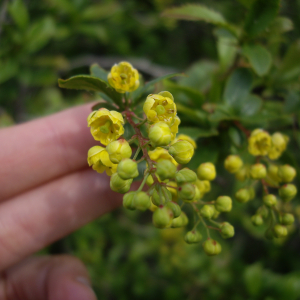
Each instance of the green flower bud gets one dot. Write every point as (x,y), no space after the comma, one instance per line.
(118,150)
(233,163)
(182,151)
(128,200)
(258,171)
(287,219)
(186,191)
(162,217)
(263,211)
(206,171)
(227,230)
(198,195)
(185,176)
(211,247)
(173,191)
(223,204)
(286,173)
(257,220)
(175,208)
(142,201)
(242,195)
(180,221)
(203,186)
(270,200)
(165,169)
(207,211)
(280,231)
(193,237)
(273,173)
(242,174)
(287,192)
(160,134)
(127,169)
(216,214)
(117,184)
(160,200)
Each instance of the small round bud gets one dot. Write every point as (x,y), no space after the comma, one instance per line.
(182,151)
(287,192)
(160,134)
(287,219)
(273,173)
(193,237)
(280,231)
(149,180)
(185,176)
(211,247)
(175,208)
(258,171)
(270,200)
(242,174)
(203,186)
(263,211)
(198,195)
(127,169)
(223,204)
(128,200)
(162,217)
(181,221)
(186,191)
(173,191)
(117,184)
(257,220)
(242,195)
(227,230)
(233,163)
(142,201)
(118,150)
(216,214)
(207,211)
(160,198)
(165,169)
(286,173)
(206,171)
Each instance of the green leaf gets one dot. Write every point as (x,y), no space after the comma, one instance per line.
(19,13)
(282,24)
(196,116)
(237,87)
(9,69)
(85,82)
(246,3)
(292,102)
(137,96)
(94,31)
(250,105)
(259,58)
(260,16)
(253,279)
(99,11)
(104,104)
(195,132)
(97,71)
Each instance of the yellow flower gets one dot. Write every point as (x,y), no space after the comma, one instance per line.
(174,128)
(185,138)
(279,143)
(160,108)
(98,158)
(259,142)
(106,126)
(160,153)
(123,77)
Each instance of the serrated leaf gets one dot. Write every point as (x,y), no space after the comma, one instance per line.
(259,57)
(19,13)
(104,104)
(260,16)
(195,132)
(86,82)
(97,71)
(237,87)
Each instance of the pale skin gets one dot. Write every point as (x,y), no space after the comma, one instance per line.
(47,191)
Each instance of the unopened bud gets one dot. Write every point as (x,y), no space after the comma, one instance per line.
(287,219)
(127,169)
(118,150)
(286,173)
(180,221)
(207,211)
(287,192)
(185,176)
(263,211)
(193,237)
(162,217)
(227,230)
(273,173)
(258,171)
(211,247)
(203,186)
(128,200)
(270,200)
(242,174)
(223,204)
(165,169)
(280,231)
(160,198)
(257,220)
(198,195)
(175,208)
(142,201)
(186,191)
(160,134)
(117,184)
(233,163)
(182,151)
(172,187)
(206,171)
(242,195)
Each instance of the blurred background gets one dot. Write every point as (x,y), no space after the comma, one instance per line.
(43,40)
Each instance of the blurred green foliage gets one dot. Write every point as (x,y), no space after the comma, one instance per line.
(243,66)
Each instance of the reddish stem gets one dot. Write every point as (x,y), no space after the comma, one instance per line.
(242,128)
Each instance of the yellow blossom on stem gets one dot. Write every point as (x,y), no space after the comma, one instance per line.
(106,126)
(279,143)
(123,77)
(185,137)
(160,153)
(174,128)
(259,142)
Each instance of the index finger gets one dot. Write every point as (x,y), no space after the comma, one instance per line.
(42,150)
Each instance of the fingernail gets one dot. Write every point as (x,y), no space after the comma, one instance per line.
(79,289)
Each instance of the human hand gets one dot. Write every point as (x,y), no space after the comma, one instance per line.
(47,191)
